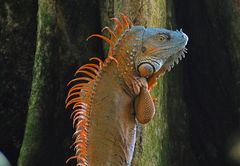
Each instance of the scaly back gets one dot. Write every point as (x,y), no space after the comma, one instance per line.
(81,94)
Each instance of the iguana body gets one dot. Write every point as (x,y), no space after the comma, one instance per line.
(115,94)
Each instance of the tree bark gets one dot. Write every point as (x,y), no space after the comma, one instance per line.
(60,50)
(37,139)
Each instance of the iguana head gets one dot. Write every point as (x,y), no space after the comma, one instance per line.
(144,52)
(160,49)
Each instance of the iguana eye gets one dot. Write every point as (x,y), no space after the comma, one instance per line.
(162,37)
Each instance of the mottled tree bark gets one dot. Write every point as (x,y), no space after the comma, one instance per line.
(165,140)
(62,30)
(38,135)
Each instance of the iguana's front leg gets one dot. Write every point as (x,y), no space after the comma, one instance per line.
(143,104)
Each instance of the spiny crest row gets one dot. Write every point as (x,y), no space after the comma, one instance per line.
(81,94)
(119,30)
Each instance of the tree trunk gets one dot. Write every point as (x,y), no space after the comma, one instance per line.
(165,140)
(60,50)
(38,137)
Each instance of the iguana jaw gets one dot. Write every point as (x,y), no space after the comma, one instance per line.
(152,80)
(160,48)
(159,55)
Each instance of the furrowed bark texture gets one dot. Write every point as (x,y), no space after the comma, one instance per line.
(42,102)
(62,30)
(165,140)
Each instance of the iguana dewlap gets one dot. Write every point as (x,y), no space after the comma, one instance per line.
(113,95)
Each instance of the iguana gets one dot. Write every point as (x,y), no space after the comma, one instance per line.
(110,96)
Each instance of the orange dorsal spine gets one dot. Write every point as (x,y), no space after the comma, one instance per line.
(82,92)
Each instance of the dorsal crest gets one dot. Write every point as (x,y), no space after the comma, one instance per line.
(81,94)
(116,34)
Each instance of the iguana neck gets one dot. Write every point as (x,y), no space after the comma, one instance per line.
(112,123)
(125,51)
